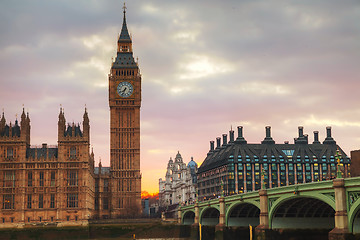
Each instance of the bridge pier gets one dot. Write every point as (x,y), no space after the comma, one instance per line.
(262,231)
(179,214)
(219,229)
(194,232)
(341,230)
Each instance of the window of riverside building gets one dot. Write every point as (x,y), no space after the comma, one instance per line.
(105,203)
(97,185)
(29,179)
(29,200)
(231,167)
(324,171)
(41,179)
(72,200)
(291,173)
(41,200)
(248,167)
(10,152)
(257,180)
(52,200)
(9,177)
(8,201)
(52,179)
(333,170)
(72,178)
(282,174)
(73,152)
(274,176)
(97,204)
(106,185)
(299,173)
(307,172)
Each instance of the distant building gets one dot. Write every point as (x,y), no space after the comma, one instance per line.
(236,166)
(355,163)
(179,185)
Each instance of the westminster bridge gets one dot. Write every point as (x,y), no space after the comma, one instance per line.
(333,204)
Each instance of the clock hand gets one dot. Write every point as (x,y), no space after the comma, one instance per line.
(123,91)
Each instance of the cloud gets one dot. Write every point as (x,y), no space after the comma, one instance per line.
(206,66)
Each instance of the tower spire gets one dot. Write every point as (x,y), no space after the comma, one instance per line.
(124,34)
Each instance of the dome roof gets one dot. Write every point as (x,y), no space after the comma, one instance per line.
(192,163)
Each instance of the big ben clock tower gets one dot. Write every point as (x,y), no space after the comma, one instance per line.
(125,102)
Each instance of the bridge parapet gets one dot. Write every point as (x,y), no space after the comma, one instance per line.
(341,195)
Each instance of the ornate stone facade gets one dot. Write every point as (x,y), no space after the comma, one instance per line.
(179,185)
(59,185)
(47,184)
(125,102)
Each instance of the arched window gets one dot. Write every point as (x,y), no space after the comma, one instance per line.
(10,152)
(73,152)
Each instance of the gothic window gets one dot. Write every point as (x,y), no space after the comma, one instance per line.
(73,152)
(9,179)
(52,179)
(52,200)
(41,200)
(97,185)
(72,200)
(106,185)
(41,179)
(29,200)
(96,204)
(29,179)
(8,201)
(105,203)
(72,178)
(10,152)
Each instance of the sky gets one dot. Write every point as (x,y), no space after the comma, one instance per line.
(207,66)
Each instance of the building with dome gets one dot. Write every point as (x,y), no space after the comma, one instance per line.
(179,185)
(236,166)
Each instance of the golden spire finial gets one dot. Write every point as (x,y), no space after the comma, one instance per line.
(124,7)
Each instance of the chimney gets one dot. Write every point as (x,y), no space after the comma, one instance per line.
(231,133)
(240,138)
(302,139)
(218,142)
(268,138)
(240,132)
(224,139)
(301,131)
(286,142)
(44,145)
(316,137)
(329,139)
(211,145)
(268,131)
(328,132)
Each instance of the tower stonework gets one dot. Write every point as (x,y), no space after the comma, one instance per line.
(124,103)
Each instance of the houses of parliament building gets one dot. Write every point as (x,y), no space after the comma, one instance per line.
(59,185)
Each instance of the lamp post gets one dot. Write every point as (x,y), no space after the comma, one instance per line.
(262,178)
(337,157)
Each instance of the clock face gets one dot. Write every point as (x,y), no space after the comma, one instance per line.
(125,89)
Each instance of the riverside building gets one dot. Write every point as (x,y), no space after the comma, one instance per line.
(236,166)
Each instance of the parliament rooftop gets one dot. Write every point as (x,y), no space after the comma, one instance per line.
(236,166)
